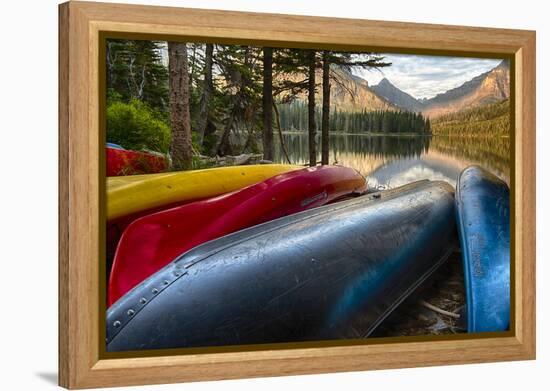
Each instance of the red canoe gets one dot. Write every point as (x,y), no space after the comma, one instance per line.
(116,227)
(126,162)
(153,241)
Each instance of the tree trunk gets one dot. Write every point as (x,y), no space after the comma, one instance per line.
(311,109)
(193,61)
(326,109)
(181,148)
(267,103)
(206,96)
(110,65)
(224,147)
(281,138)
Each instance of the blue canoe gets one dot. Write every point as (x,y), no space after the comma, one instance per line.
(332,272)
(115,146)
(483,216)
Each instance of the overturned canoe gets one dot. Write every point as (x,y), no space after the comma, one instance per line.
(113,145)
(153,241)
(483,217)
(122,161)
(327,273)
(136,193)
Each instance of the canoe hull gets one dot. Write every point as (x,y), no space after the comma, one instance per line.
(115,146)
(153,241)
(125,162)
(328,273)
(135,196)
(137,193)
(483,217)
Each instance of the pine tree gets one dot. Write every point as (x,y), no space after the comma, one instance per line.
(135,71)
(180,118)
(206,95)
(311,61)
(240,67)
(267,104)
(326,109)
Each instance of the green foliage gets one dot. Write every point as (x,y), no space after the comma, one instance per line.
(237,98)
(294,62)
(294,117)
(136,126)
(135,71)
(199,164)
(113,96)
(489,121)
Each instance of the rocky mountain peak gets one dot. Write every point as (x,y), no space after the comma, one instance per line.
(396,96)
(489,87)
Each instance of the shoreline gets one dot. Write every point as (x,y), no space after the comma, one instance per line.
(369,134)
(360,134)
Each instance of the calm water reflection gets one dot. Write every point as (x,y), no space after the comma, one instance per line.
(392,161)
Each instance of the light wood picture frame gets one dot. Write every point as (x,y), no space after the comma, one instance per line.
(83,27)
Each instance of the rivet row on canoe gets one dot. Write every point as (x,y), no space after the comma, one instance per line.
(131,312)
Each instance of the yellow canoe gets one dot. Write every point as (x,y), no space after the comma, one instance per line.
(131,194)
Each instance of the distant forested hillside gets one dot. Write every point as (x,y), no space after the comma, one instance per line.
(293,116)
(490,120)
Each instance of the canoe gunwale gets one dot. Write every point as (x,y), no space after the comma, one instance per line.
(128,195)
(373,197)
(411,289)
(466,261)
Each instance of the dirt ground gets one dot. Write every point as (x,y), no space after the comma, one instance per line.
(445,290)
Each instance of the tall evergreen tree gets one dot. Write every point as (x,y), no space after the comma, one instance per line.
(344,60)
(207,91)
(240,66)
(311,61)
(181,148)
(135,71)
(267,104)
(326,109)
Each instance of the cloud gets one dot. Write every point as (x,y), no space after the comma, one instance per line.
(427,76)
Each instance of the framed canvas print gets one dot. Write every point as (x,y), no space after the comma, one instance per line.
(249,195)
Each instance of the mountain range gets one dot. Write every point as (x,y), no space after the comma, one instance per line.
(351,93)
(489,87)
(348,92)
(399,98)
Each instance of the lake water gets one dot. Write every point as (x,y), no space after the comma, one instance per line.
(391,161)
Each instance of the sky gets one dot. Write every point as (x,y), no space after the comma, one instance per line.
(420,76)
(427,76)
